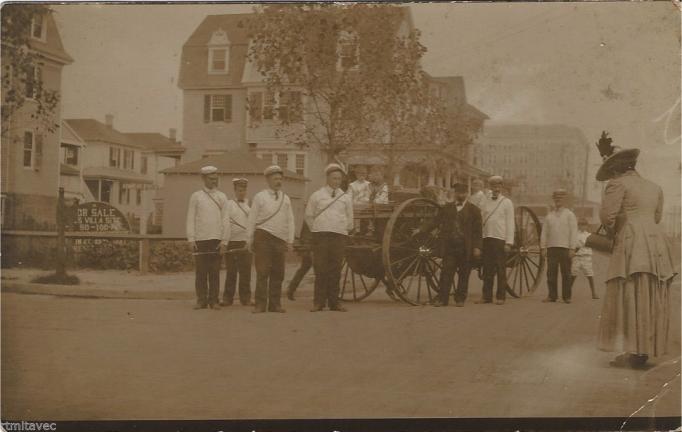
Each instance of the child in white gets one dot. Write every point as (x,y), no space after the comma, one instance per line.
(582,261)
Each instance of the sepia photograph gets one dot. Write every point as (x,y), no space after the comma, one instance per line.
(340,216)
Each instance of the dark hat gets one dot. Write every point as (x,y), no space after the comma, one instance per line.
(460,187)
(612,156)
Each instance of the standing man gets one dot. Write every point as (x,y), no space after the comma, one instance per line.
(498,238)
(238,264)
(557,242)
(359,189)
(469,217)
(329,214)
(269,234)
(478,195)
(208,229)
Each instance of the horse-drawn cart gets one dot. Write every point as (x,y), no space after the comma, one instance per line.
(385,250)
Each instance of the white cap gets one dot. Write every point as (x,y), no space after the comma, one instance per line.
(209,169)
(273,169)
(240,180)
(334,167)
(495,179)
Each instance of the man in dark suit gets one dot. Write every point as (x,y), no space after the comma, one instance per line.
(459,224)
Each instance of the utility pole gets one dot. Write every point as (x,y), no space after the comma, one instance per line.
(61,243)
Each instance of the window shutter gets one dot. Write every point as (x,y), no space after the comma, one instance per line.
(207,108)
(227,116)
(38,157)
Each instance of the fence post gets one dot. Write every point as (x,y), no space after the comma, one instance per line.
(144,255)
(61,244)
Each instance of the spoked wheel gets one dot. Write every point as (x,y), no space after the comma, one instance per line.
(355,287)
(525,264)
(412,265)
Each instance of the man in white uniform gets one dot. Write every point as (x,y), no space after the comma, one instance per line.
(208,229)
(238,263)
(329,214)
(557,243)
(269,233)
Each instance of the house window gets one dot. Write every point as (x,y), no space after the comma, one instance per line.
(138,197)
(269,103)
(71,155)
(143,162)
(217,60)
(128,159)
(348,51)
(290,108)
(33,77)
(106,187)
(28,149)
(265,105)
(217,108)
(39,27)
(114,157)
(283,160)
(300,164)
(267,157)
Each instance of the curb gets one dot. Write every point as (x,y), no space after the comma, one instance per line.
(85,292)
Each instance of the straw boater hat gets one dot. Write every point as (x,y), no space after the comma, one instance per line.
(273,169)
(612,156)
(332,167)
(208,169)
(239,180)
(495,179)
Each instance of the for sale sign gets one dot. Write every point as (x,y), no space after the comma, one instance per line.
(99,217)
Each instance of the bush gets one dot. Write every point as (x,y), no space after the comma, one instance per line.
(169,256)
(108,254)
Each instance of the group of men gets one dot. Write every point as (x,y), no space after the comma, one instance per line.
(474,230)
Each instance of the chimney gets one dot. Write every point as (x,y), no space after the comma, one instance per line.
(172,134)
(109,120)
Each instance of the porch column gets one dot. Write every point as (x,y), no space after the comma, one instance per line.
(432,176)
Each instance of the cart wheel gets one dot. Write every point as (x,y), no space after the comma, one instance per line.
(354,287)
(412,263)
(525,264)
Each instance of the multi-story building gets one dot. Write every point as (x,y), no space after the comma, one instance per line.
(71,166)
(123,169)
(30,152)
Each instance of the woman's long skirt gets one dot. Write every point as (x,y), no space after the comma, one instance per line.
(635,315)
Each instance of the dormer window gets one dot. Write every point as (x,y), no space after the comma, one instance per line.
(39,27)
(348,51)
(218,52)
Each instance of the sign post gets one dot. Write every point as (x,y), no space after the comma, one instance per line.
(61,243)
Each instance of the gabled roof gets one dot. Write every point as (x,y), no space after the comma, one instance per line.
(69,136)
(156,142)
(194,58)
(230,163)
(94,130)
(52,47)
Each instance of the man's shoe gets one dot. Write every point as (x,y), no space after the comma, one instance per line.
(459,304)
(215,306)
(317,309)
(278,309)
(199,306)
(438,303)
(246,303)
(595,297)
(499,302)
(338,308)
(225,303)
(258,309)
(290,295)
(567,301)
(548,300)
(482,301)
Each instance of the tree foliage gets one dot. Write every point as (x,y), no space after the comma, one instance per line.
(22,82)
(360,77)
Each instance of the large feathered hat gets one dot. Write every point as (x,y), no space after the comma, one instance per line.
(612,155)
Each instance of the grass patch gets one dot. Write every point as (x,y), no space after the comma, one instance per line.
(59,280)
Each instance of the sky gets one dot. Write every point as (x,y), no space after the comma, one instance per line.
(595,65)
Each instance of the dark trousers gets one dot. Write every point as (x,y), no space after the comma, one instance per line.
(207,274)
(328,252)
(454,260)
(557,258)
(238,265)
(494,260)
(306,264)
(270,252)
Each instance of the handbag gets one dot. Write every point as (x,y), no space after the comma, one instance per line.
(601,240)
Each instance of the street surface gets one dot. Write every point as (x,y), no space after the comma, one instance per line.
(91,358)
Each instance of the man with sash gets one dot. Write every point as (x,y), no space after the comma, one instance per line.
(269,234)
(238,263)
(498,238)
(329,214)
(208,229)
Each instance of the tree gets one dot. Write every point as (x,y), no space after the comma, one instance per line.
(359,78)
(21,77)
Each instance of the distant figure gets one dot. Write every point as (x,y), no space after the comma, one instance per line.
(305,252)
(329,214)
(635,317)
(478,195)
(378,189)
(238,264)
(359,189)
(498,238)
(557,242)
(582,260)
(208,229)
(270,233)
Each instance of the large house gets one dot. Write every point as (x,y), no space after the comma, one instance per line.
(30,153)
(122,169)
(219,83)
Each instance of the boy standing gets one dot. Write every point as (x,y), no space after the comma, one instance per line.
(582,261)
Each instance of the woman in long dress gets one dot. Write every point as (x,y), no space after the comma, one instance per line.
(635,317)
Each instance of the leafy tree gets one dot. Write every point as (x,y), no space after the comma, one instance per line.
(359,77)
(22,83)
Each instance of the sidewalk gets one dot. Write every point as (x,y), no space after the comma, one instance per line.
(122,284)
